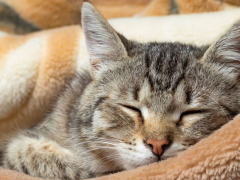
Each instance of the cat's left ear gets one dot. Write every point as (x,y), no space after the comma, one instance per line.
(103,43)
(226,50)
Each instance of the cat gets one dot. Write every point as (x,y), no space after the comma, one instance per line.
(140,103)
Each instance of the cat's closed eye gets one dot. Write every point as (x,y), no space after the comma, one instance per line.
(188,113)
(131,108)
(134,109)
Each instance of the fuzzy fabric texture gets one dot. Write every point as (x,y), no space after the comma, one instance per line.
(24,16)
(12,175)
(35,67)
(33,70)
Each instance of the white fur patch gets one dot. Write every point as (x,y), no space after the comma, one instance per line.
(144,91)
(173,150)
(139,155)
(145,112)
(98,123)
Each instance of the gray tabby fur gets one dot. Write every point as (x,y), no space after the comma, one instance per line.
(134,92)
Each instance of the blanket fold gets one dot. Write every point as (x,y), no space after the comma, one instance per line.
(35,67)
(33,70)
(25,16)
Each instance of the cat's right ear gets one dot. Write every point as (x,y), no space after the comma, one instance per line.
(103,43)
(225,51)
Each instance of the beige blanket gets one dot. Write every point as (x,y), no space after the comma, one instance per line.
(35,67)
(24,16)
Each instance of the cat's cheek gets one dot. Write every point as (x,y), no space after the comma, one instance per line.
(173,150)
(136,156)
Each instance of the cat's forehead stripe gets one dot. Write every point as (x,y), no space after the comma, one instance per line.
(188,96)
(135,93)
(145,90)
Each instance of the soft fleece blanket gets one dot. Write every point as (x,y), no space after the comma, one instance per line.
(24,16)
(35,67)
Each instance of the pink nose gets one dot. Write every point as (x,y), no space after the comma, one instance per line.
(157,145)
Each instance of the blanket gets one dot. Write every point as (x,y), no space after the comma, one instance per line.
(35,67)
(25,16)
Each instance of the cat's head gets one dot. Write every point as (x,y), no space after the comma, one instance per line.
(151,101)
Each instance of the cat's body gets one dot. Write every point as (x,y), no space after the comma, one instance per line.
(139,104)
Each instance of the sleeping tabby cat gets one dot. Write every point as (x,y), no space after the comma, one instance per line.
(140,103)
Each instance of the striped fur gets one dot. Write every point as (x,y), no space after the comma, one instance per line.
(137,91)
